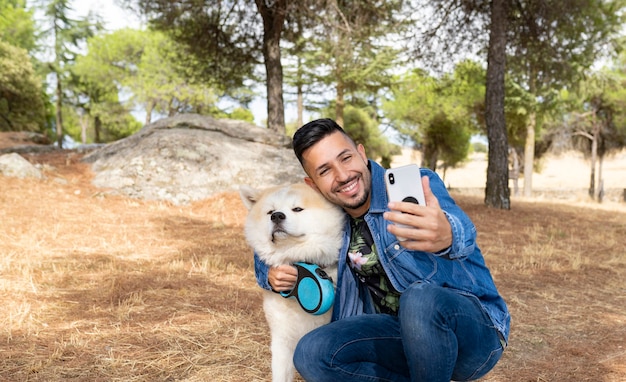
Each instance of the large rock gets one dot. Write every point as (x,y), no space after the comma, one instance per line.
(14,165)
(191,157)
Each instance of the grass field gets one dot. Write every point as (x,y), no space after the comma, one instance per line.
(96,287)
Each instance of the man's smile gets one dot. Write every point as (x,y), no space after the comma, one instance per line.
(349,187)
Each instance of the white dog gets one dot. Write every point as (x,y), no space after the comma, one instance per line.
(285,225)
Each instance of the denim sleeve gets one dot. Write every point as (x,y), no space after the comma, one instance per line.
(260,270)
(463,230)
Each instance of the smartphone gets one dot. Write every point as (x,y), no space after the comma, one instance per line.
(404,184)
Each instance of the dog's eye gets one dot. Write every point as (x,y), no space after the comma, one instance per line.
(270,212)
(298,209)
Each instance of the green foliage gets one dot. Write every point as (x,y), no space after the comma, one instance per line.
(479,147)
(446,140)
(161,83)
(340,47)
(96,81)
(439,114)
(291,128)
(595,111)
(17,24)
(21,103)
(602,115)
(364,129)
(116,123)
(242,114)
(616,97)
(218,41)
(66,36)
(145,65)
(553,43)
(112,57)
(412,104)
(518,105)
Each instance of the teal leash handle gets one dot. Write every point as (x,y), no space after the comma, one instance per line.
(314,289)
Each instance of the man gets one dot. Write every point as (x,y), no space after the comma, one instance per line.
(423,309)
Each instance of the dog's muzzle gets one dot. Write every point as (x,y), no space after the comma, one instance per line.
(278,217)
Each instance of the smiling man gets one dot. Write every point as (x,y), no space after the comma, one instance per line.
(423,309)
(338,170)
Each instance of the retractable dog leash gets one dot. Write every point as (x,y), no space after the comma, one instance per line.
(314,289)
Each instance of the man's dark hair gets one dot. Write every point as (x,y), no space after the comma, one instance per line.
(313,132)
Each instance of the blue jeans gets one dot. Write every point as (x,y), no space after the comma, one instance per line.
(439,335)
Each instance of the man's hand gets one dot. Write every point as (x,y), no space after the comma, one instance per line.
(430,230)
(282,278)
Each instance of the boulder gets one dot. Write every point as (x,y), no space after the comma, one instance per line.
(14,165)
(191,157)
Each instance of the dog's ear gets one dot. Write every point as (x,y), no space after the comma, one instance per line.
(249,195)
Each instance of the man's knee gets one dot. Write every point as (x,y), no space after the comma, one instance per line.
(300,355)
(421,296)
(310,350)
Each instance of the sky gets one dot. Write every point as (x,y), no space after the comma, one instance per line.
(114,16)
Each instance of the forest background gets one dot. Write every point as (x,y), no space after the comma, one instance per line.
(529,76)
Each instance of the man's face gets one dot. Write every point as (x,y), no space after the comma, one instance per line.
(338,170)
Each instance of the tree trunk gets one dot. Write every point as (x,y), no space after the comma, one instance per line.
(600,192)
(429,156)
(300,95)
(594,155)
(497,192)
(273,21)
(339,104)
(529,154)
(97,126)
(59,114)
(515,171)
(149,109)
(84,124)
(300,102)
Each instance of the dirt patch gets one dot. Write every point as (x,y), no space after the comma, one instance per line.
(100,287)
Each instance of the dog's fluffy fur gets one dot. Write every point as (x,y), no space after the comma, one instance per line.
(288,224)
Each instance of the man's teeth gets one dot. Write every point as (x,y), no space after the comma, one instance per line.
(349,188)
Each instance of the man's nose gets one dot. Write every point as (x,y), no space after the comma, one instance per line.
(342,174)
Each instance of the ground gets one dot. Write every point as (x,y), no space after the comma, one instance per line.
(97,287)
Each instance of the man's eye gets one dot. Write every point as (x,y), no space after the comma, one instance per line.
(297,209)
(270,212)
(323,172)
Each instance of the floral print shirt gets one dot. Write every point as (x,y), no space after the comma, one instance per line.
(363,261)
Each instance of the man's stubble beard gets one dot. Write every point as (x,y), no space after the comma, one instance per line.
(362,200)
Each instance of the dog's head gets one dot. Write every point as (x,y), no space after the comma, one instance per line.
(291,223)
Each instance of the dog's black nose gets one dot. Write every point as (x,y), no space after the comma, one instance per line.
(277,217)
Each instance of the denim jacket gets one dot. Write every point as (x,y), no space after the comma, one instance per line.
(460,267)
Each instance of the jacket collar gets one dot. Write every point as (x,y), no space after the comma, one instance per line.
(378,199)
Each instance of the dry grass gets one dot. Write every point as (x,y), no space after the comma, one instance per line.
(97,287)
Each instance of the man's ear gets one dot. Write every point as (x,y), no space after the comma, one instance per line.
(310,183)
(361,150)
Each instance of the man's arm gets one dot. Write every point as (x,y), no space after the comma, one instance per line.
(279,279)
(441,227)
